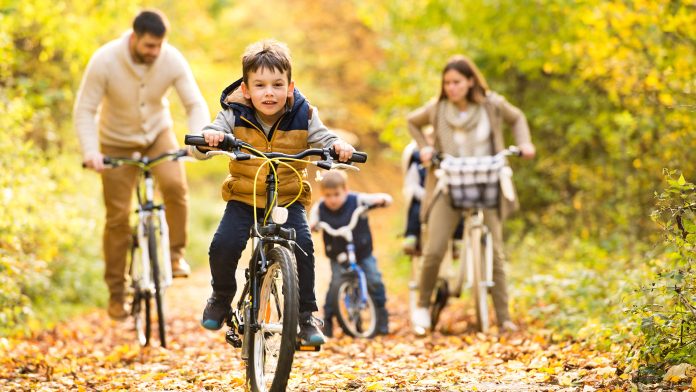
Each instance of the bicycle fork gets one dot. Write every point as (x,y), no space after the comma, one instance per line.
(475,221)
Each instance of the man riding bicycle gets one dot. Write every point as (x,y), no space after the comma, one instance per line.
(121,110)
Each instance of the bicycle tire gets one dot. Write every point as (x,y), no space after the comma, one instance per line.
(441,294)
(261,343)
(479,292)
(141,313)
(140,302)
(347,304)
(159,294)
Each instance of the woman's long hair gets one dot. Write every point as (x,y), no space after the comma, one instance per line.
(466,67)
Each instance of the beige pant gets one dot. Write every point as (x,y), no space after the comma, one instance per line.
(119,189)
(442,222)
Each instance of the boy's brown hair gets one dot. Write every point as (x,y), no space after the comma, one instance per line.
(333,179)
(269,54)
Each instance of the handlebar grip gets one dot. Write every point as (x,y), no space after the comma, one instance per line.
(195,140)
(357,157)
(227,144)
(106,160)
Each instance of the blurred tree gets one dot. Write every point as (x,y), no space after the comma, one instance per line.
(607,87)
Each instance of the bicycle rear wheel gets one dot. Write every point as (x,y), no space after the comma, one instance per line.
(479,289)
(272,346)
(357,319)
(159,290)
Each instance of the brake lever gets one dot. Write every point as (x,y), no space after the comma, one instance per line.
(344,166)
(237,156)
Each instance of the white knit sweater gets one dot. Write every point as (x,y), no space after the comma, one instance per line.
(123,104)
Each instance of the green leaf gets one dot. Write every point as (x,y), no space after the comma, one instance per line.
(681,180)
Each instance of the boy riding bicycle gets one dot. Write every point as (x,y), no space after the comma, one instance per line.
(265,110)
(336,209)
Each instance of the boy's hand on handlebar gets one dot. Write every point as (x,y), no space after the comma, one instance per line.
(343,150)
(213,138)
(426,155)
(94,161)
(528,150)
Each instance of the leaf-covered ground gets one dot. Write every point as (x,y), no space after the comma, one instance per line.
(93,353)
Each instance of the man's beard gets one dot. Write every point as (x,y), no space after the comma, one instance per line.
(140,58)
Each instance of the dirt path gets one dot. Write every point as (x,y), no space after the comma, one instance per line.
(93,353)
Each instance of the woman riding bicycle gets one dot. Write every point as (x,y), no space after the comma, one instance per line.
(467,119)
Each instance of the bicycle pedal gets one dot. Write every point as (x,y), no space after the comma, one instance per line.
(300,347)
(233,339)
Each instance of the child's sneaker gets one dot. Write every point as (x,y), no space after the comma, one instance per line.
(310,332)
(409,244)
(216,311)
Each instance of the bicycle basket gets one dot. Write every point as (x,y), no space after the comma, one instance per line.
(473,182)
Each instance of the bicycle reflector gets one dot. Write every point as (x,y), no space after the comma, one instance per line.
(279,215)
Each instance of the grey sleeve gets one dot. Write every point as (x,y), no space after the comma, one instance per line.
(223,122)
(314,216)
(319,136)
(370,199)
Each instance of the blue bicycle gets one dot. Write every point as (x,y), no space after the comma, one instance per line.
(355,311)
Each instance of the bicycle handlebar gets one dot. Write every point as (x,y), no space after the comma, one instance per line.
(347,230)
(510,151)
(143,161)
(231,144)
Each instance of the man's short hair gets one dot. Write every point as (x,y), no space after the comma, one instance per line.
(150,22)
(333,179)
(269,54)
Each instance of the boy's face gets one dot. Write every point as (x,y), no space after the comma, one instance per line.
(268,90)
(334,197)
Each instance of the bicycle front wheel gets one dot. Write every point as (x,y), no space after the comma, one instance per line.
(159,290)
(141,316)
(272,346)
(356,315)
(140,299)
(479,289)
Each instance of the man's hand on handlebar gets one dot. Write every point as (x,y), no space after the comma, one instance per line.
(528,150)
(343,150)
(94,161)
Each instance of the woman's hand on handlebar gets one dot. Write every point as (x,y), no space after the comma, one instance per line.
(343,150)
(527,150)
(94,161)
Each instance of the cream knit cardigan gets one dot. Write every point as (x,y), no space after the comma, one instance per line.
(122,105)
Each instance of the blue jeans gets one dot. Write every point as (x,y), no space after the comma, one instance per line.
(375,286)
(230,240)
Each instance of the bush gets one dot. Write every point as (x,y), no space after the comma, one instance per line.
(667,312)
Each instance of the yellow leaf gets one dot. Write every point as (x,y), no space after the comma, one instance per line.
(681,180)
(666,99)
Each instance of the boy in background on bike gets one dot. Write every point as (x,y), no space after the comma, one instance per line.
(264,109)
(414,190)
(336,209)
